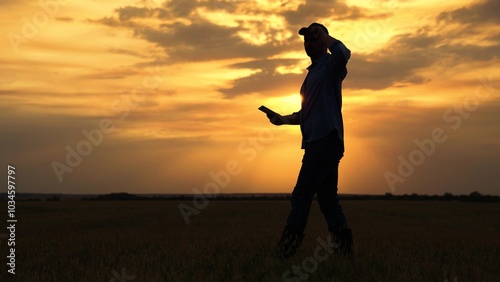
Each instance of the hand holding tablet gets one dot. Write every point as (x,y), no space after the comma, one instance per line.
(274,117)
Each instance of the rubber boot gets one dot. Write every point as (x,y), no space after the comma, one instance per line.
(343,241)
(289,243)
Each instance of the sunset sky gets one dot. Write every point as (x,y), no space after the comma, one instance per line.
(161,97)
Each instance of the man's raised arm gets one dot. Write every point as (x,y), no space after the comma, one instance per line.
(338,50)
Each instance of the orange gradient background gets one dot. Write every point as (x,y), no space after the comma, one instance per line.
(179,83)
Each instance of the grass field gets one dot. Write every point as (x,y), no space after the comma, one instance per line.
(233,241)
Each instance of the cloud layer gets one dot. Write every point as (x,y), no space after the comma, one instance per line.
(219,61)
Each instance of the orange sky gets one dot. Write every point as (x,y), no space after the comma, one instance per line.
(158,97)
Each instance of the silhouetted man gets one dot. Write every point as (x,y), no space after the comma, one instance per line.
(321,124)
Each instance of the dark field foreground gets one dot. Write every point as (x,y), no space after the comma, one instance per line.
(233,241)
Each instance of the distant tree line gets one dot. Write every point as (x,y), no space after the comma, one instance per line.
(52,198)
(221,197)
(123,196)
(472,197)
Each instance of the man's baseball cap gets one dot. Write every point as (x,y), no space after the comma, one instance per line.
(307,30)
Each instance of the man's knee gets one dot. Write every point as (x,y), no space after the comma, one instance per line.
(328,204)
(301,200)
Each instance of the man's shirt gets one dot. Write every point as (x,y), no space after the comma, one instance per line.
(321,92)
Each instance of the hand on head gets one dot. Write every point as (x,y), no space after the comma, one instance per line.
(317,32)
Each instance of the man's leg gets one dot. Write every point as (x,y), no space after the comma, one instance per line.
(332,210)
(311,175)
(329,201)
